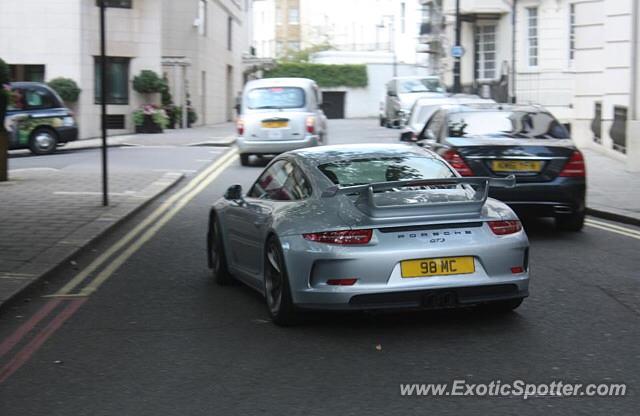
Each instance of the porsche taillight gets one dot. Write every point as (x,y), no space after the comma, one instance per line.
(574,168)
(456,162)
(346,237)
(505,227)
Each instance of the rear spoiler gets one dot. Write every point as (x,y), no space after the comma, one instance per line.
(367,204)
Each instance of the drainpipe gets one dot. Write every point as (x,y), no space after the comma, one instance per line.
(633,123)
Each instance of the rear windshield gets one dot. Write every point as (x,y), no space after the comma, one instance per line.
(506,124)
(275,98)
(419,85)
(400,168)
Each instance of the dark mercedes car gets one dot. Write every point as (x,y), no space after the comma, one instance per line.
(37,119)
(527,141)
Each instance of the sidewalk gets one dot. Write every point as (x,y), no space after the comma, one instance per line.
(612,192)
(213,135)
(48,215)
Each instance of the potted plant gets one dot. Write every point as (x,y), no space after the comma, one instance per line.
(150,118)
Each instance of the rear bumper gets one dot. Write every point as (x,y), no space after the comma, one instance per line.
(560,196)
(380,284)
(274,146)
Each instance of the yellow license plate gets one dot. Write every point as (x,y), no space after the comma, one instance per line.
(437,267)
(274,124)
(516,166)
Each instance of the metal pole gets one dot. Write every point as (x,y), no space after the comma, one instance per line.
(392,27)
(513,51)
(457,87)
(103,101)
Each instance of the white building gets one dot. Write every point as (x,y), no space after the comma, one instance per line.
(43,39)
(346,25)
(578,58)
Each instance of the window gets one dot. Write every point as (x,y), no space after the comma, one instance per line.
(293,46)
(117,81)
(230,33)
(279,16)
(532,36)
(120,4)
(403,17)
(506,125)
(294,16)
(485,51)
(400,168)
(281,182)
(434,126)
(420,85)
(30,73)
(572,32)
(279,48)
(202,17)
(33,98)
(276,98)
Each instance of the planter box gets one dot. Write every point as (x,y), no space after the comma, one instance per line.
(148,126)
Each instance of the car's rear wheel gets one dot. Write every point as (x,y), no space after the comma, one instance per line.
(503,306)
(217,259)
(244,159)
(383,122)
(276,285)
(43,141)
(571,222)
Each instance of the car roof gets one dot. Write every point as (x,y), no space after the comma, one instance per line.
(417,77)
(327,154)
(28,84)
(281,82)
(479,107)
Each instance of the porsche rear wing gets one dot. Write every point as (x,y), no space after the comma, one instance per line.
(368,205)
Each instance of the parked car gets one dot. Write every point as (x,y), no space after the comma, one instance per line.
(402,92)
(423,108)
(497,140)
(37,119)
(368,227)
(280,114)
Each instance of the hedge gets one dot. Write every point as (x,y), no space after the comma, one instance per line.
(354,76)
(66,88)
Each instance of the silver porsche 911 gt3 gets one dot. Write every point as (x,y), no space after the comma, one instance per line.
(369,227)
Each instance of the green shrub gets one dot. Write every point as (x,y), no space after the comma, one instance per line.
(148,82)
(354,76)
(66,88)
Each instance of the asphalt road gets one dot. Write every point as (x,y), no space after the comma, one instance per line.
(158,337)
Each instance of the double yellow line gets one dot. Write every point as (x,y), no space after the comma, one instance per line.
(613,228)
(144,231)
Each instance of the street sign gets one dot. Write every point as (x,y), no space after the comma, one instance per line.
(457,51)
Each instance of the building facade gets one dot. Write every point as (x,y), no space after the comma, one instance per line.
(63,41)
(578,58)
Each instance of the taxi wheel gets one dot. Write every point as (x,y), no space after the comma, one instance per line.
(43,141)
(244,159)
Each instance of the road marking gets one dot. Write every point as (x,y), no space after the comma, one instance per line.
(628,232)
(100,260)
(114,265)
(28,350)
(614,226)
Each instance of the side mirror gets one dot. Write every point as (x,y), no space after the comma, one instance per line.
(234,193)
(407,136)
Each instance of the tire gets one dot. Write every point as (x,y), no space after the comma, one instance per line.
(244,159)
(277,291)
(573,222)
(43,141)
(216,255)
(383,122)
(503,306)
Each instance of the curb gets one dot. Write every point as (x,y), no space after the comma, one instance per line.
(613,216)
(153,192)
